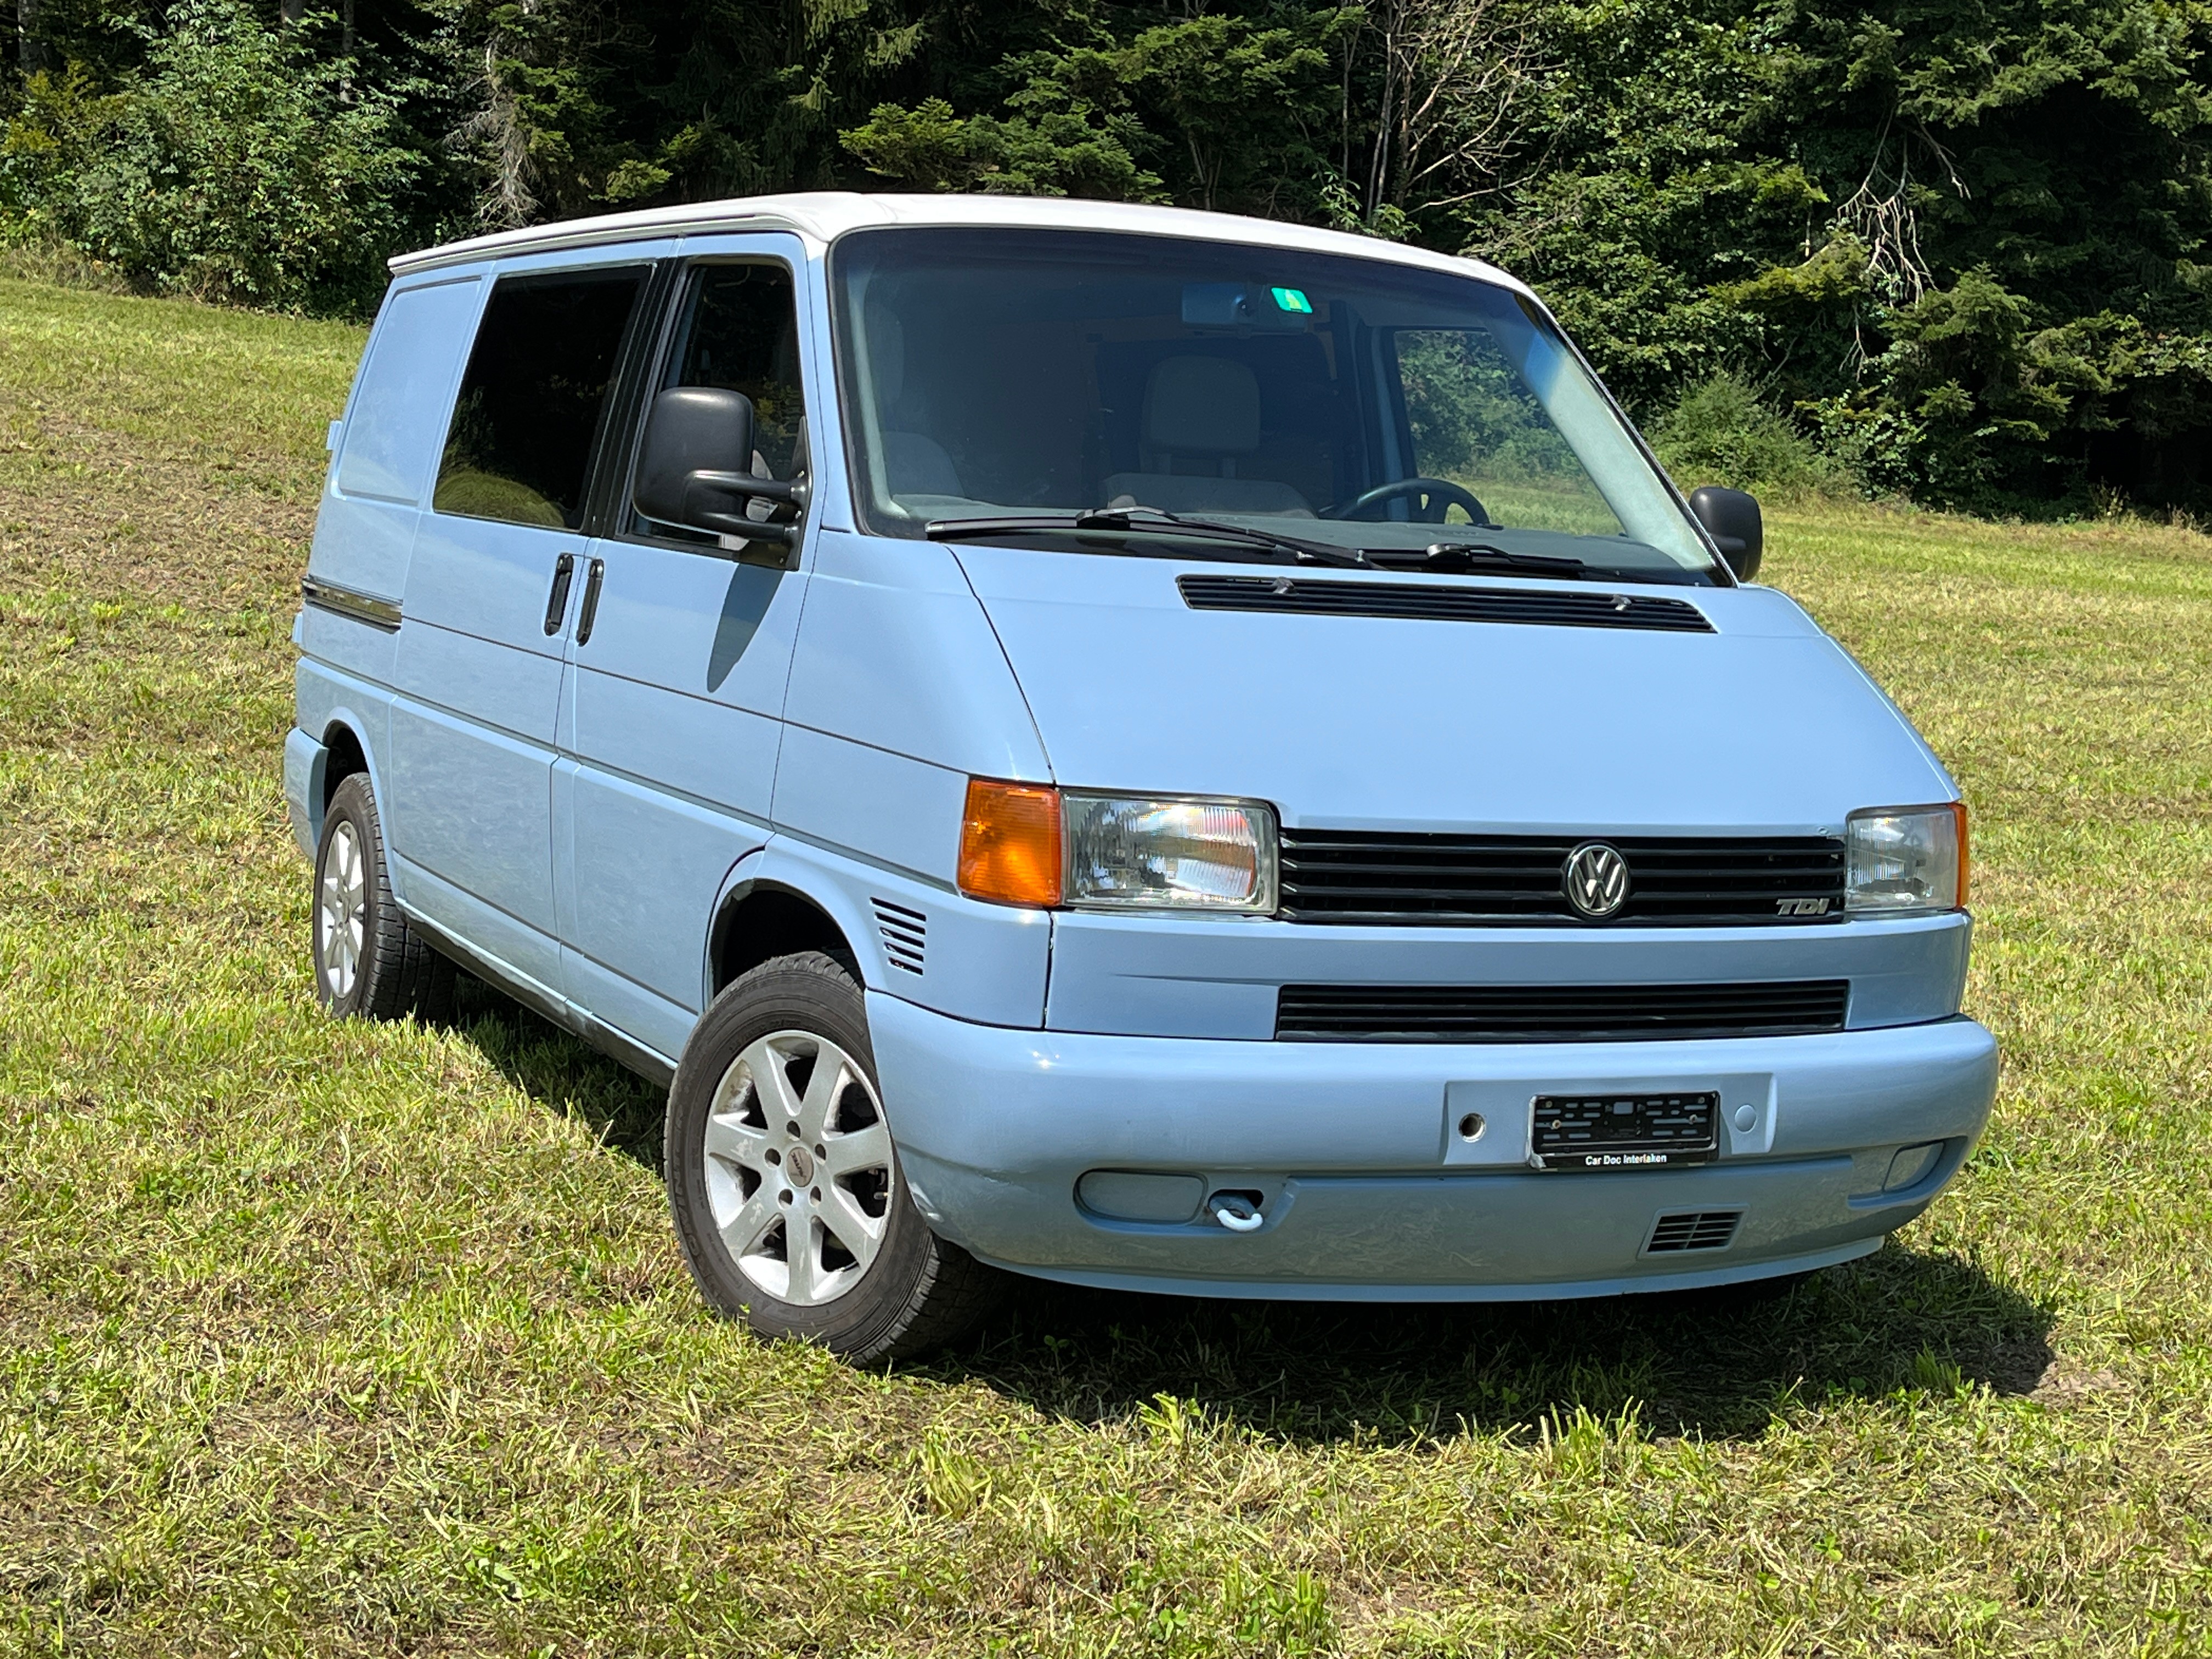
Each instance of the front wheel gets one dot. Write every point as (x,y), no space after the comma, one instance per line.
(784,1183)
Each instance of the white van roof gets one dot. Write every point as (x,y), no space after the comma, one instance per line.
(822,216)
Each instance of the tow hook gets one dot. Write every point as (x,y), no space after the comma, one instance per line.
(1235,1212)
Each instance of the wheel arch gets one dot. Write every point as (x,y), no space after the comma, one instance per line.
(759,918)
(347,752)
(344,753)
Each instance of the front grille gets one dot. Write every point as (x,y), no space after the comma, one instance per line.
(1556,1013)
(1427,602)
(1693,1229)
(1674,881)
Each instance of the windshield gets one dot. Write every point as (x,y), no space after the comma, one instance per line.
(1370,405)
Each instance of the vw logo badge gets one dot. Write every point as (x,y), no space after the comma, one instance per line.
(1596,877)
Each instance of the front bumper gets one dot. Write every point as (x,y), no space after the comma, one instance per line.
(1367,1186)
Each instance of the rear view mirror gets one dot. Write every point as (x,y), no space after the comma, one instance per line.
(1246,307)
(694,437)
(1732,519)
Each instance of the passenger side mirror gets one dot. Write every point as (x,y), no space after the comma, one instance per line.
(693,437)
(1732,519)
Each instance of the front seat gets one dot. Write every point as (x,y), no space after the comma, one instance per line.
(1203,412)
(914,464)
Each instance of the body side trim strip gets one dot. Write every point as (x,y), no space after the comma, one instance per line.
(345,602)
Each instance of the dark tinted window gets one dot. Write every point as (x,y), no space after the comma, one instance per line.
(521,441)
(740,331)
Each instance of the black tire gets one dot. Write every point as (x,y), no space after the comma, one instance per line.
(915,1292)
(393,971)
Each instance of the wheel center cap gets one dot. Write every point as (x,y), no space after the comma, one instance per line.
(798,1166)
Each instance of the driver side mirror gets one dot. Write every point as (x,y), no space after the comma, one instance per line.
(693,437)
(1732,519)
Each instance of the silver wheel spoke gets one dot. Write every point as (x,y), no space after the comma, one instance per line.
(766,1060)
(743,1232)
(799,1247)
(737,1143)
(832,1071)
(868,1148)
(854,1228)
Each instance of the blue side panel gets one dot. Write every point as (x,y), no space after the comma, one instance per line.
(683,677)
(896,653)
(303,788)
(364,545)
(472,757)
(471,807)
(660,1023)
(348,647)
(324,697)
(523,953)
(669,736)
(648,865)
(491,579)
(888,808)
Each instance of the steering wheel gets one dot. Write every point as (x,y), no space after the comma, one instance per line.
(1432,498)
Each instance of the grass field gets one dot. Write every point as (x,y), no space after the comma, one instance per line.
(343,1338)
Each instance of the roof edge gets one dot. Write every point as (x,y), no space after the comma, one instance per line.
(824,215)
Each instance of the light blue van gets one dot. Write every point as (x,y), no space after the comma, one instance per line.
(1140,748)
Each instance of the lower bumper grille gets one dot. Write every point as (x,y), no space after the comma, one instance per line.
(1693,1229)
(1556,1013)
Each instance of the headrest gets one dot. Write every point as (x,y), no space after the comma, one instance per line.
(887,353)
(1202,406)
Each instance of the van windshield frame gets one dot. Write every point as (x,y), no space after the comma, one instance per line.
(993,371)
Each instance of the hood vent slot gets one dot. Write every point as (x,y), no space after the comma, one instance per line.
(1422,601)
(906,933)
(1693,1229)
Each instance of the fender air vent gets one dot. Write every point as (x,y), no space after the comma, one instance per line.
(1692,1229)
(1422,601)
(905,935)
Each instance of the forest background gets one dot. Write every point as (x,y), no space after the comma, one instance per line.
(1955,250)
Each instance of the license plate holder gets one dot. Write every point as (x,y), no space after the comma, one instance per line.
(1597,1131)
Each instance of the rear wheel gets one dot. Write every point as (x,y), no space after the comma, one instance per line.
(784,1182)
(368,961)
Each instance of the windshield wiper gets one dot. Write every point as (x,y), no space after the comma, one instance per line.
(1151,520)
(1454,557)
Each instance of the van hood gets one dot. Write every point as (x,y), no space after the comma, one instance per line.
(1381,722)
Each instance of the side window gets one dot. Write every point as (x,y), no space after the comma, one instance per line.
(519,443)
(1476,423)
(738,329)
(391,432)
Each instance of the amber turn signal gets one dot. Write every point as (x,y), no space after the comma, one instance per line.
(1010,843)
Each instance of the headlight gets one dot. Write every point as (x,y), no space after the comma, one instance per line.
(1906,860)
(1030,845)
(1131,852)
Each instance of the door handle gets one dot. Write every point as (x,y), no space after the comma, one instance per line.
(556,602)
(590,613)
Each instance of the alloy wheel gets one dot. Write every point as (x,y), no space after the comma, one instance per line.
(798,1168)
(341,909)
